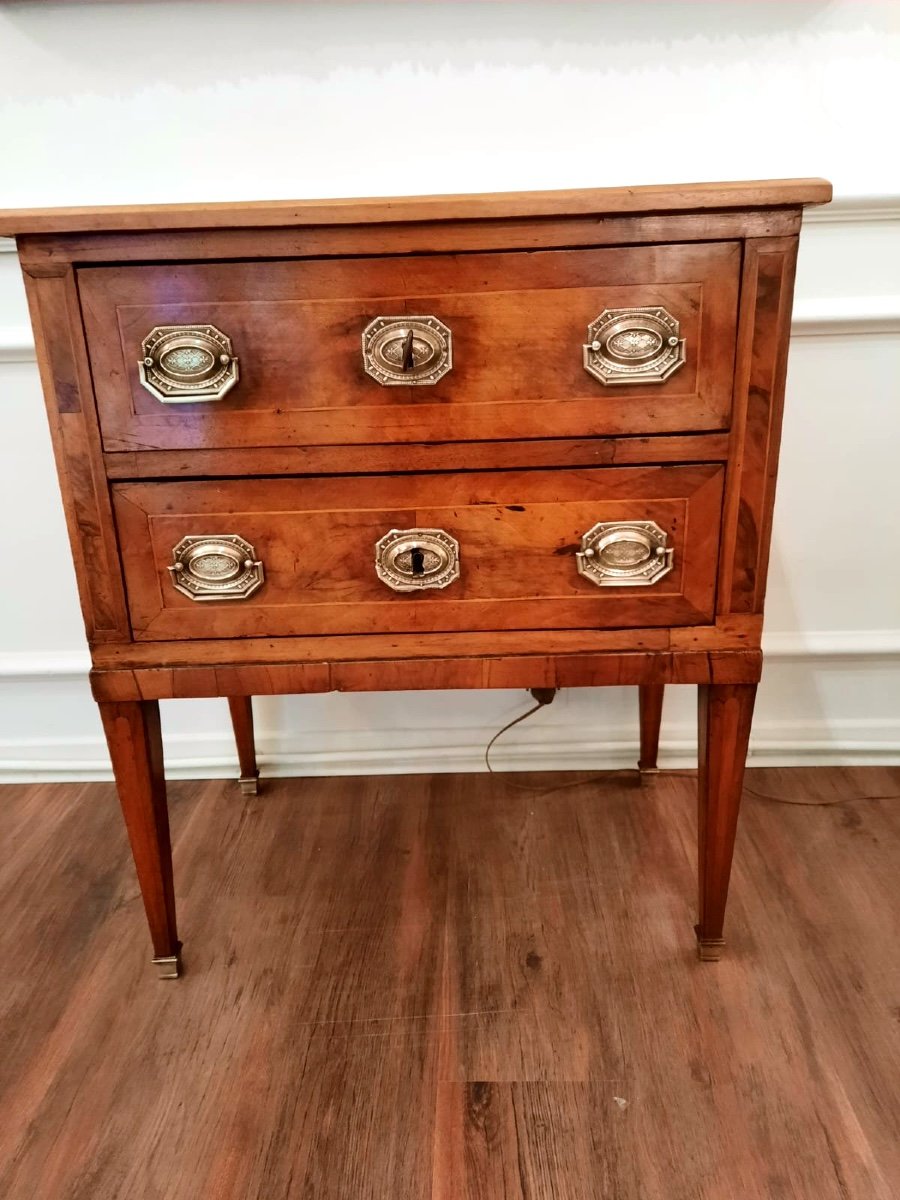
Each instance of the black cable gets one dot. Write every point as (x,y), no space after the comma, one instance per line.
(521,717)
(815,803)
(747,790)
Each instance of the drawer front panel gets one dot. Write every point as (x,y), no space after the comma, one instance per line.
(298,556)
(522,345)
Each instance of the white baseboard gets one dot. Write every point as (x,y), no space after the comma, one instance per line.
(831,738)
(545,748)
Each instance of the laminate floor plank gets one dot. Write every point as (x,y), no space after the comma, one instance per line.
(452,987)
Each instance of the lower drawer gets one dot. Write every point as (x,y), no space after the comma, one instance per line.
(556,549)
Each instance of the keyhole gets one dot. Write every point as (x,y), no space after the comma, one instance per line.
(409,360)
(417,560)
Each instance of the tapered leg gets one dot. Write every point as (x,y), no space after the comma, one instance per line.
(650,702)
(135,747)
(241,708)
(726,711)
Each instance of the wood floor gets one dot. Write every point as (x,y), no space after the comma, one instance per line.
(454,986)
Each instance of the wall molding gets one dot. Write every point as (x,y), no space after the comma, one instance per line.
(31,666)
(543,747)
(546,745)
(16,344)
(840,316)
(854,210)
(846,315)
(860,644)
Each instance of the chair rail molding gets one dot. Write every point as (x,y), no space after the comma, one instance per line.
(16,344)
(854,210)
(844,316)
(835,317)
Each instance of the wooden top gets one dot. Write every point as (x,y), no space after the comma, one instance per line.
(767,193)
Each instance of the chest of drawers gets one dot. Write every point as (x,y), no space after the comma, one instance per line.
(522,440)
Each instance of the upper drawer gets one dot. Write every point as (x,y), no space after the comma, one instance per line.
(507,359)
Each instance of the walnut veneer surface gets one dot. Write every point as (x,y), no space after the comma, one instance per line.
(593,458)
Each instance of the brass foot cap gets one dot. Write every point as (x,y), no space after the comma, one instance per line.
(654,770)
(168,967)
(249,784)
(709,949)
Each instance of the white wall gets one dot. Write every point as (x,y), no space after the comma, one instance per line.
(104,103)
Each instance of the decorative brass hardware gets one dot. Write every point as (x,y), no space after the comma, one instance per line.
(633,345)
(624,554)
(187,364)
(168,967)
(409,560)
(407,350)
(249,784)
(220,566)
(709,949)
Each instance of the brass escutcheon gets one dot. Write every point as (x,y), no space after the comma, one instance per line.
(624,554)
(407,350)
(218,566)
(187,364)
(410,560)
(633,345)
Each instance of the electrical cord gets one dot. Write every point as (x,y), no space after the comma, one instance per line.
(515,721)
(816,803)
(546,696)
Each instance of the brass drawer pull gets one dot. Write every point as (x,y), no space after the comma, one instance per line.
(220,566)
(624,554)
(633,345)
(410,560)
(187,364)
(407,350)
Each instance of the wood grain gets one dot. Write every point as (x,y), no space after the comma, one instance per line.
(650,704)
(483,206)
(241,711)
(406,237)
(68,397)
(725,714)
(764,332)
(518,324)
(740,633)
(485,670)
(135,747)
(436,988)
(517,450)
(518,534)
(421,456)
